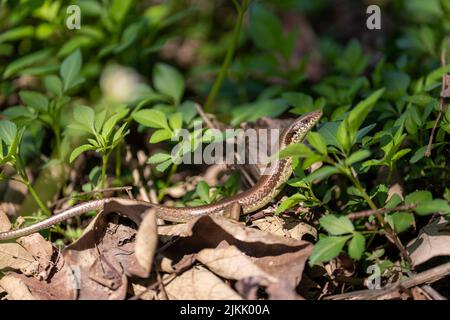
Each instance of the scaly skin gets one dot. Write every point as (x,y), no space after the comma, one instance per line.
(251,200)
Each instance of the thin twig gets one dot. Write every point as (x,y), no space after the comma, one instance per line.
(368,213)
(204,117)
(432,293)
(429,276)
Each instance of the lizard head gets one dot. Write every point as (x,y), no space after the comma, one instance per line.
(300,127)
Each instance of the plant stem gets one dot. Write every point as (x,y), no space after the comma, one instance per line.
(57,132)
(37,199)
(21,171)
(118,161)
(390,233)
(229,56)
(363,192)
(105,157)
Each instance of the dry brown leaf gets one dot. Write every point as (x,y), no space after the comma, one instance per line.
(282,258)
(16,289)
(288,269)
(14,256)
(230,263)
(100,256)
(198,283)
(433,241)
(298,230)
(272,224)
(42,251)
(277,226)
(143,292)
(146,241)
(181,229)
(61,285)
(166,265)
(5,224)
(209,232)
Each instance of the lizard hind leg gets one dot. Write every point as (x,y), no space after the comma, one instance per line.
(233,211)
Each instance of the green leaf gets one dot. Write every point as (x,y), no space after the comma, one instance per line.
(255,110)
(100,120)
(160,135)
(188,110)
(18,112)
(401,221)
(357,246)
(159,157)
(176,120)
(336,225)
(79,150)
(301,102)
(109,124)
(420,153)
(85,116)
(394,201)
(26,61)
(358,156)
(400,154)
(34,100)
(290,202)
(317,141)
(358,114)
(327,249)
(17,33)
(343,136)
(163,165)
(202,190)
(70,70)
(396,83)
(329,133)
(8,131)
(295,150)
(433,206)
(265,28)
(120,134)
(169,81)
(119,9)
(418,197)
(151,118)
(53,84)
(322,173)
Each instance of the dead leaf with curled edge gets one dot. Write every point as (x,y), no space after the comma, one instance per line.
(42,252)
(15,288)
(14,256)
(198,283)
(230,263)
(433,241)
(99,258)
(146,241)
(280,227)
(43,274)
(60,285)
(220,243)
(5,224)
(105,253)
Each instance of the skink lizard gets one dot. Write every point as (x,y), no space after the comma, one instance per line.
(258,196)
